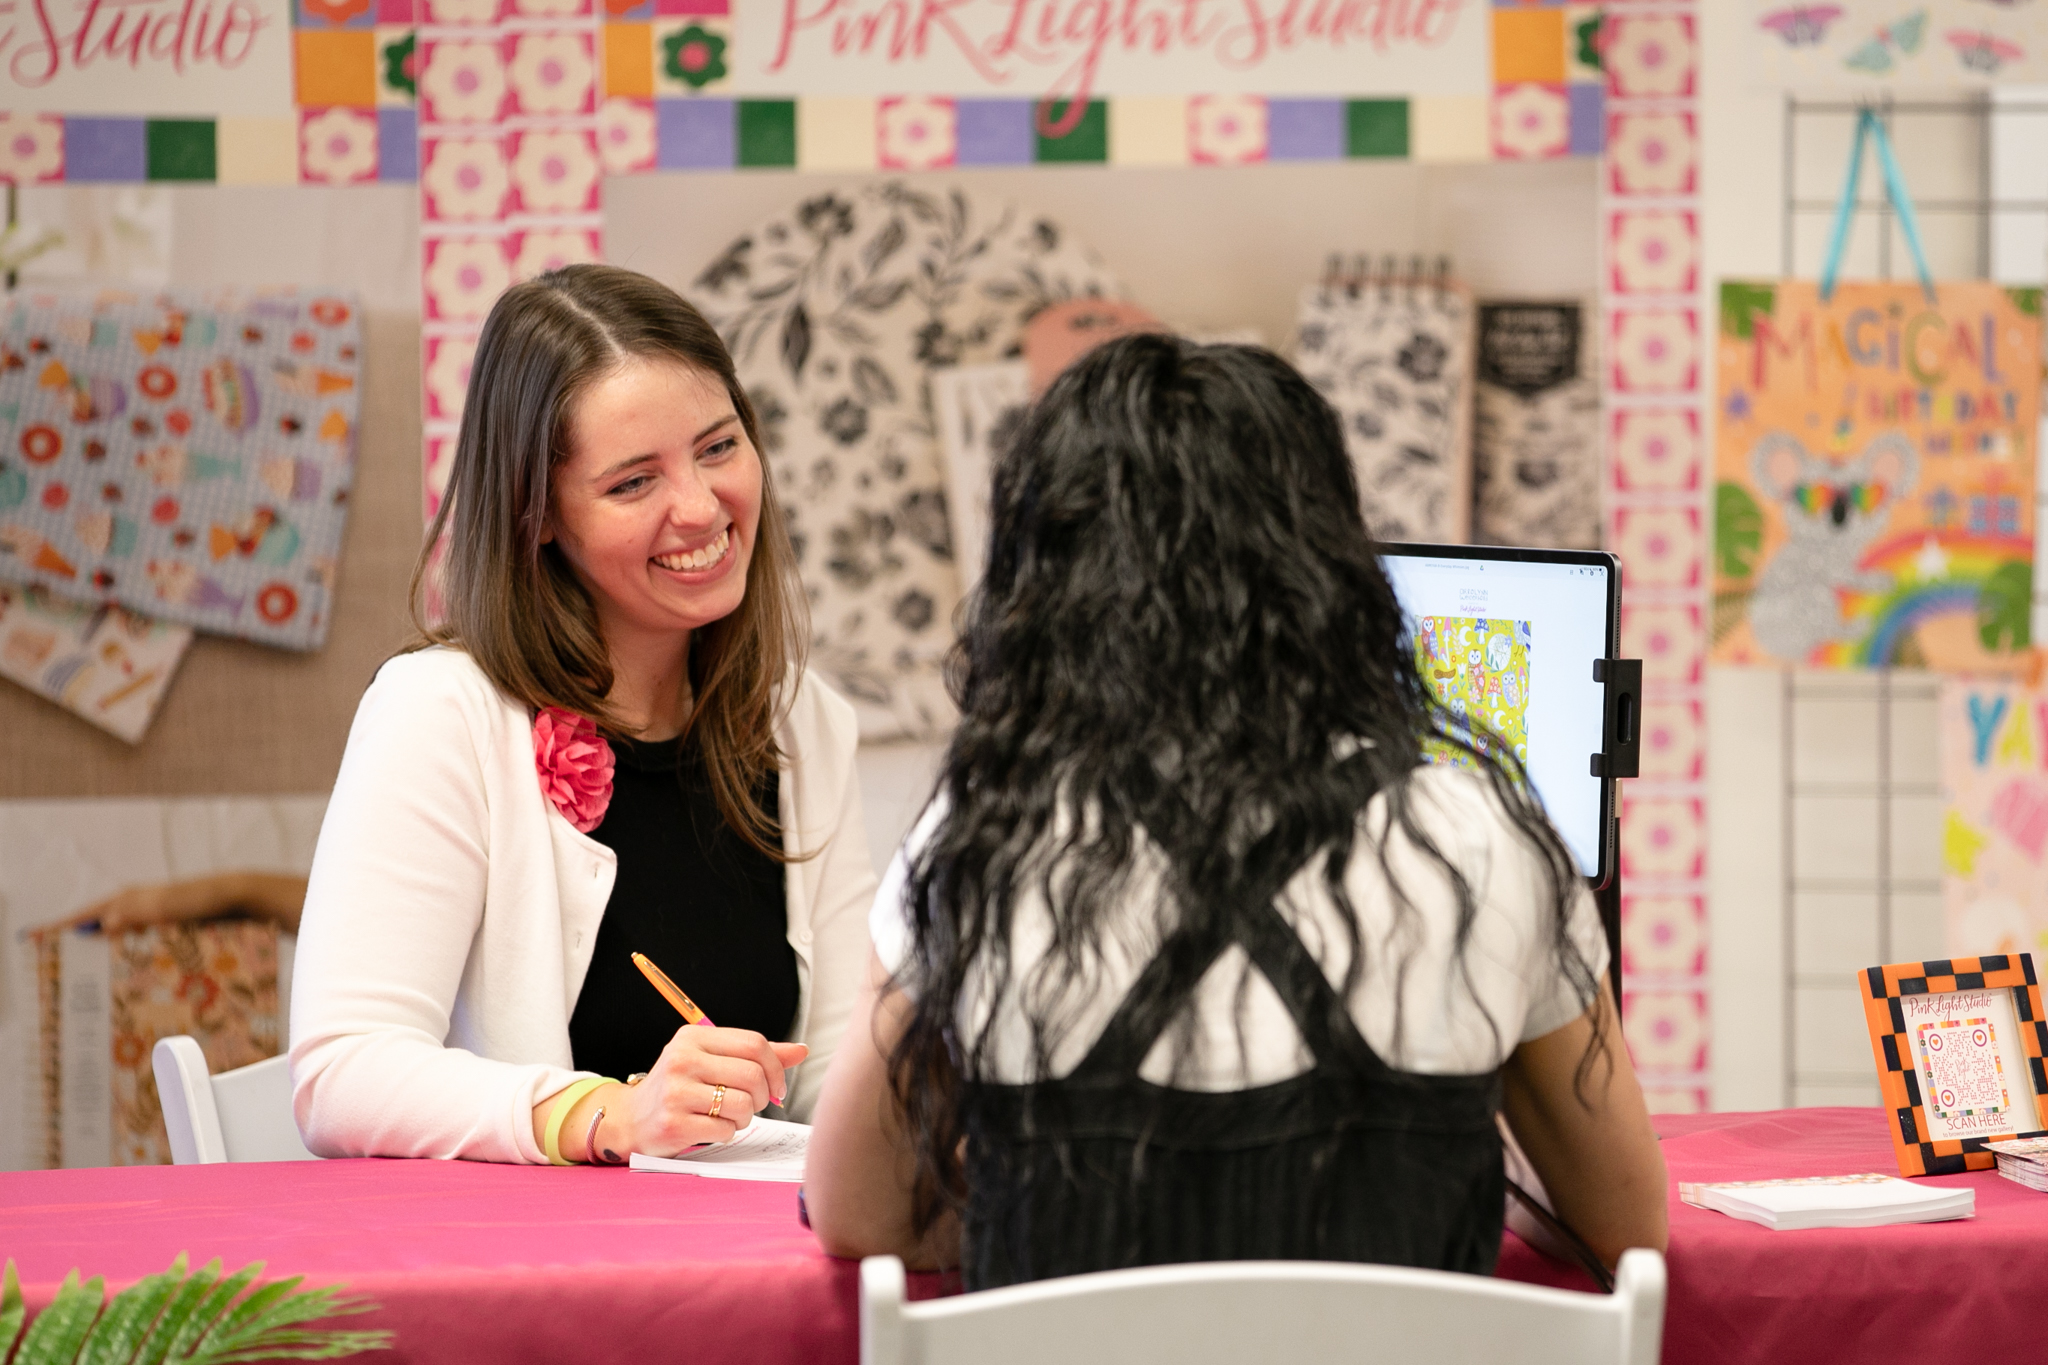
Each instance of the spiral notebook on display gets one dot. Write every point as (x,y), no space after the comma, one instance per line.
(766,1149)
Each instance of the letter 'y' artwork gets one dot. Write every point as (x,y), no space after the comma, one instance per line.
(1874,502)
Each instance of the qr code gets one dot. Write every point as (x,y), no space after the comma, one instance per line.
(1960,1063)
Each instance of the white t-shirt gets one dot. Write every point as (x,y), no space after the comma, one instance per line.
(1511,973)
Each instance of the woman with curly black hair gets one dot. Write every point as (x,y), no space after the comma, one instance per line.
(1194,955)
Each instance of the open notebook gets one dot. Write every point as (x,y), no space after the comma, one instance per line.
(766,1149)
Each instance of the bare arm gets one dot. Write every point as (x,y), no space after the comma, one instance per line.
(1598,1157)
(861,1166)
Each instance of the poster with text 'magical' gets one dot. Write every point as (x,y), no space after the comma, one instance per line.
(1874,497)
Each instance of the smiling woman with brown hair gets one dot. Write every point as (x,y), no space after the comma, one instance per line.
(607,744)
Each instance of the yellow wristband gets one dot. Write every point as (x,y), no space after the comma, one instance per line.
(563,1104)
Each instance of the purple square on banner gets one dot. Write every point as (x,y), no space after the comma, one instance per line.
(1305,130)
(994,133)
(394,11)
(105,149)
(398,144)
(1587,121)
(696,134)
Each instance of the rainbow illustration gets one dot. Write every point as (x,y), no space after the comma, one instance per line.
(1920,592)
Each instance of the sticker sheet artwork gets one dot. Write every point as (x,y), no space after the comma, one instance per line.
(104,663)
(1994,832)
(1899,44)
(1479,668)
(186,455)
(1396,363)
(1536,434)
(1963,1074)
(1875,467)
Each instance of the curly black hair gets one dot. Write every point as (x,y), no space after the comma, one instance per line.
(1184,640)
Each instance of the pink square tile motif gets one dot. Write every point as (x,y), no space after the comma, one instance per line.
(1652,152)
(1660,547)
(462,80)
(31,148)
(337,146)
(463,277)
(1674,741)
(1663,935)
(1669,640)
(447,375)
(555,171)
(1662,838)
(1652,251)
(1666,1030)
(1654,350)
(463,179)
(1532,121)
(539,250)
(1655,450)
(626,131)
(917,132)
(1649,56)
(552,74)
(1228,130)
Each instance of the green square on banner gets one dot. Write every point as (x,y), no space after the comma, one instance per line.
(767,132)
(180,149)
(1087,140)
(1376,128)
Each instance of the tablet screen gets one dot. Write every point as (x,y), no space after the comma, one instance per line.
(1507,638)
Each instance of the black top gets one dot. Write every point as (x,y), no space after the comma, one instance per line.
(694,896)
(1350,1161)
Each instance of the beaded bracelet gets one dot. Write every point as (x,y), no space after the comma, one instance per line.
(563,1104)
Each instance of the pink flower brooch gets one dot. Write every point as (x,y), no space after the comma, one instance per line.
(575,766)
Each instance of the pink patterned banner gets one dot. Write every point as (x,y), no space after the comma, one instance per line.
(1652,383)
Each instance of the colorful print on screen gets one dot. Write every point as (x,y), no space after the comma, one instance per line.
(1875,464)
(1994,824)
(1479,668)
(185,455)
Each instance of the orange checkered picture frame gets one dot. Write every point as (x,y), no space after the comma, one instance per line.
(1959,1045)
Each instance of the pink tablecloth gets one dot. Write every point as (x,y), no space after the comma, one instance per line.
(502,1264)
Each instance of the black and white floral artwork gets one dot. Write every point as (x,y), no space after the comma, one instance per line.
(1395,360)
(978,409)
(1536,436)
(839,313)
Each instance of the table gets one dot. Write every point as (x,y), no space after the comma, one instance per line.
(499,1263)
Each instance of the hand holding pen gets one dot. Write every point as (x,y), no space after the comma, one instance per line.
(707,1085)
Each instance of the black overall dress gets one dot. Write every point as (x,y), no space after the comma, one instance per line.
(1351,1161)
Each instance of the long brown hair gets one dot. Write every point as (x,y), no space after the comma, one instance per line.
(512,603)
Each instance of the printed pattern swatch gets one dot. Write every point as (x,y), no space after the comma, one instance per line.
(1395,360)
(1536,433)
(188,455)
(107,664)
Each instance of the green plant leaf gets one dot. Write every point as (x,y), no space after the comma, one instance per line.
(2026,298)
(59,1330)
(1738,530)
(156,1348)
(12,1309)
(1739,301)
(2005,607)
(123,1327)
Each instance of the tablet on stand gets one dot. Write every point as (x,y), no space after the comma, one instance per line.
(1524,644)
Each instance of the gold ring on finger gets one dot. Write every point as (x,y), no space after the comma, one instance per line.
(717,1101)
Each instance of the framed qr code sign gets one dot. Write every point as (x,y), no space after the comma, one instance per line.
(1959,1045)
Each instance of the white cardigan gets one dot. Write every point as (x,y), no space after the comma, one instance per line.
(452,910)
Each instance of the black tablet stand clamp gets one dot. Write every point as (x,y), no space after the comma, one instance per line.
(1621,712)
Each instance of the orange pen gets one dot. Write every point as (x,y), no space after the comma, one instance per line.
(670,992)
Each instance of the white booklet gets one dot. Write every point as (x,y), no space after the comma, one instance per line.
(766,1149)
(1832,1201)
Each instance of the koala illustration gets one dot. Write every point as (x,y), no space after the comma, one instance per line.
(1833,511)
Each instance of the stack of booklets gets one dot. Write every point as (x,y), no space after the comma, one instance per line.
(1832,1201)
(2024,1160)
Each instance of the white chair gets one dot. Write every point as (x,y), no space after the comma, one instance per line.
(239,1115)
(1232,1312)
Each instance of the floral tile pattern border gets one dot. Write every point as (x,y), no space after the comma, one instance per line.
(665,104)
(1654,515)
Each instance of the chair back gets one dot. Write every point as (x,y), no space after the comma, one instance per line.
(1230,1312)
(239,1115)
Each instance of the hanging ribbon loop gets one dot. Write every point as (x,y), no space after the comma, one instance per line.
(1869,126)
